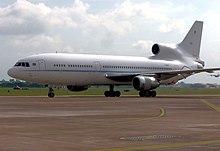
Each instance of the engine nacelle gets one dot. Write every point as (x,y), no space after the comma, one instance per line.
(145,83)
(166,51)
(77,88)
(158,49)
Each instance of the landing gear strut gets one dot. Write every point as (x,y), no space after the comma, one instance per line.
(50,93)
(145,93)
(112,93)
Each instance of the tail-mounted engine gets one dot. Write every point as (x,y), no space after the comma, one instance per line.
(166,52)
(145,83)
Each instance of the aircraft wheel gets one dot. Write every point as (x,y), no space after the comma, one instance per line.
(153,93)
(51,95)
(112,93)
(142,93)
(117,93)
(107,93)
(147,94)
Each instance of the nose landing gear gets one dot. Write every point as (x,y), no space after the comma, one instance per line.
(50,93)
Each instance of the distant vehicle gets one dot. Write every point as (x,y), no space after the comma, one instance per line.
(17,88)
(169,64)
(215,75)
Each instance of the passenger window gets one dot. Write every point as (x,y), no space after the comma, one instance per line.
(23,64)
(27,64)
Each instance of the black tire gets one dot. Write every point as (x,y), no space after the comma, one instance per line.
(51,95)
(142,93)
(117,93)
(112,93)
(147,94)
(107,93)
(153,93)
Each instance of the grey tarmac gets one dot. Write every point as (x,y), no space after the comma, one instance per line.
(96,123)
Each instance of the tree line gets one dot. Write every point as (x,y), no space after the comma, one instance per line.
(14,83)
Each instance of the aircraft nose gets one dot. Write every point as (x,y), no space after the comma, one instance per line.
(11,72)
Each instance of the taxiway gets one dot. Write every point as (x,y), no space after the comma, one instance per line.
(110,124)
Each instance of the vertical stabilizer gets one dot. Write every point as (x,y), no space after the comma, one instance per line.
(191,42)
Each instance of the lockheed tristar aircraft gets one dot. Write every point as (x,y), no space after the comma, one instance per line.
(169,64)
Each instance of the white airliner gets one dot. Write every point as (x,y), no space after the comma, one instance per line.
(169,64)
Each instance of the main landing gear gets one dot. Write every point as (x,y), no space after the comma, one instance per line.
(112,93)
(50,93)
(148,93)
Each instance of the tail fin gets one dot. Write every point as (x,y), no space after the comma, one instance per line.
(191,42)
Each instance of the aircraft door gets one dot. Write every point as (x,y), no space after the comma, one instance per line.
(96,74)
(97,65)
(42,64)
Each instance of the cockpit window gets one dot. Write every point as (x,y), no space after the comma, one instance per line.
(18,64)
(22,64)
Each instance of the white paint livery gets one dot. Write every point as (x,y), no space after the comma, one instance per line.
(79,71)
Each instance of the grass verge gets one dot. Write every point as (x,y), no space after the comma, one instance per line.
(100,91)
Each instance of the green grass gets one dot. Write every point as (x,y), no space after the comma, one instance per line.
(100,91)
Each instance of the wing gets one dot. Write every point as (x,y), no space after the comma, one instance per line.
(125,77)
(122,77)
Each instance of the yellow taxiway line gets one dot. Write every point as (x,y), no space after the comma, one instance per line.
(162,114)
(162,146)
(214,107)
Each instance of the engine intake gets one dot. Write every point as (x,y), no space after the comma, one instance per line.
(155,49)
(77,88)
(145,83)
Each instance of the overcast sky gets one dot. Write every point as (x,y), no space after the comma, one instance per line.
(116,27)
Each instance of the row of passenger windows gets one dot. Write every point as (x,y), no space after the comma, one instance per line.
(124,67)
(79,66)
(22,64)
(129,67)
(84,66)
(110,67)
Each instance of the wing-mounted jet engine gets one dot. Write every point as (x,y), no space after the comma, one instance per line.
(145,84)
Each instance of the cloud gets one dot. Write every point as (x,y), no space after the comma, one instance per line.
(34,43)
(188,7)
(35,21)
(38,40)
(23,17)
(175,25)
(37,26)
(145,10)
(26,18)
(143,44)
